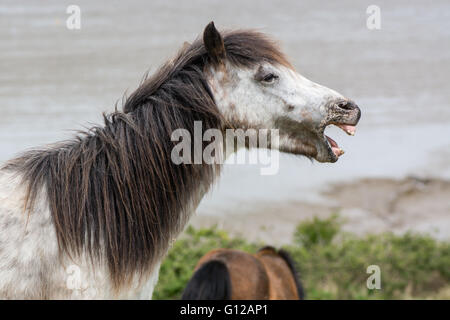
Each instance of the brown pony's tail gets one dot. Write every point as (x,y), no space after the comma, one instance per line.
(210,282)
(291,263)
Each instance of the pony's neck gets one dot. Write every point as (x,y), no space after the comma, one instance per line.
(114,193)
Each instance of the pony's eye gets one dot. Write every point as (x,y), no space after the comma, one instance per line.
(269,78)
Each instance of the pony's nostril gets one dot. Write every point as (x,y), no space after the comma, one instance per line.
(346,105)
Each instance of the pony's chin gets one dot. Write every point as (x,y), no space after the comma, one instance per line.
(312,143)
(326,156)
(328,149)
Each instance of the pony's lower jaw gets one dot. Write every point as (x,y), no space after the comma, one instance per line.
(308,139)
(314,144)
(330,152)
(327,153)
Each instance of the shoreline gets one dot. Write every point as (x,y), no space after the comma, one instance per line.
(365,206)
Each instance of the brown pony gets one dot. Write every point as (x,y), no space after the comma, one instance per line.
(227,274)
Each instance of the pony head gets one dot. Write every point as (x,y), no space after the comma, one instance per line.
(254,86)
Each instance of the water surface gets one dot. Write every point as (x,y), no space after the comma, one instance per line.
(53,79)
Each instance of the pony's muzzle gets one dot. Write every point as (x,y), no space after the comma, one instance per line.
(344,112)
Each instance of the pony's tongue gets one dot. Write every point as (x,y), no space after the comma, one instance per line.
(334,147)
(349,129)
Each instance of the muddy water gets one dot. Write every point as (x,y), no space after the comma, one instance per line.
(53,79)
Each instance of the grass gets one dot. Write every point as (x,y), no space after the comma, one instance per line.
(332,263)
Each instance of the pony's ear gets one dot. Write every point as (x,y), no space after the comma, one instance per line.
(214,43)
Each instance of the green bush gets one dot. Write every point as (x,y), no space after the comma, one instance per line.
(317,231)
(332,264)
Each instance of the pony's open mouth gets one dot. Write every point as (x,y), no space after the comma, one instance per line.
(333,148)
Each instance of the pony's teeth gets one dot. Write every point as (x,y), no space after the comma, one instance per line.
(350,130)
(337,151)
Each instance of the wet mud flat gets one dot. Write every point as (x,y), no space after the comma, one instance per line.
(366,206)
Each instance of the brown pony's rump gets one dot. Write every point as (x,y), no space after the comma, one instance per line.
(224,274)
(113,191)
(292,266)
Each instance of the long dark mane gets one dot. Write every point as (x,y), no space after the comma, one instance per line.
(293,267)
(113,191)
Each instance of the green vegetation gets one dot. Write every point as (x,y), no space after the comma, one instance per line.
(332,263)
